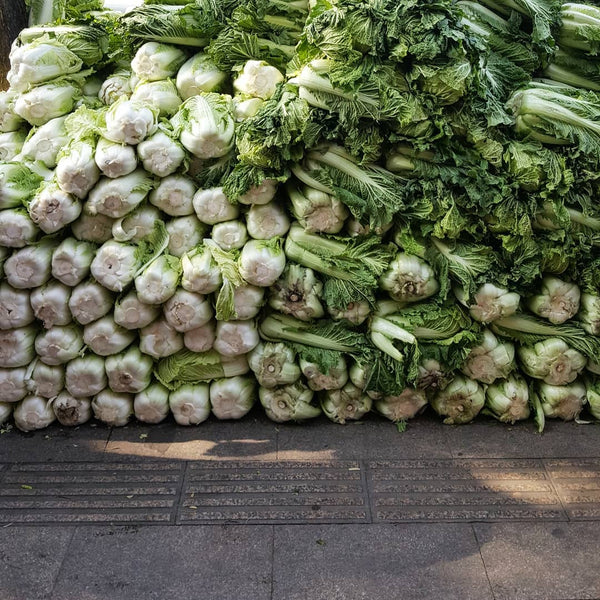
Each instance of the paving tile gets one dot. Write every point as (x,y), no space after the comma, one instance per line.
(154,563)
(55,443)
(387,562)
(100,492)
(577,483)
(320,439)
(541,561)
(30,559)
(488,438)
(249,438)
(274,492)
(462,490)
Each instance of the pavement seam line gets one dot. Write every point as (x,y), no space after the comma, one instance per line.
(271,596)
(555,490)
(62,563)
(364,471)
(179,496)
(110,431)
(487,576)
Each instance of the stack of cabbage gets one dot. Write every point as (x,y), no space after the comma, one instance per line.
(348,206)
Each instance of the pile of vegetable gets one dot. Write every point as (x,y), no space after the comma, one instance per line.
(332,206)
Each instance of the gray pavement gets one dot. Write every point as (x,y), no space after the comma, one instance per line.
(252,510)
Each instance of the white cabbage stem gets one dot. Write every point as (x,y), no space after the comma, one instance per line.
(229,235)
(85,376)
(130,122)
(185,233)
(115,86)
(190,404)
(45,142)
(77,172)
(90,301)
(70,411)
(162,95)
(317,211)
(262,262)
(46,102)
(335,378)
(17,229)
(34,412)
(260,194)
(50,304)
(258,79)
(11,144)
(232,397)
(116,198)
(406,405)
(234,338)
(551,360)
(30,267)
(15,307)
(159,339)
(409,279)
(174,195)
(113,409)
(508,400)
(159,280)
(129,371)
(152,404)
(51,209)
(17,347)
(137,224)
(92,228)
(13,387)
(9,119)
(274,364)
(212,206)
(185,310)
(205,125)
(199,74)
(155,61)
(45,380)
(132,313)
(247,301)
(200,271)
(115,159)
(71,261)
(558,301)
(490,360)
(161,155)
(267,221)
(105,337)
(200,339)
(59,345)
(115,265)
(490,303)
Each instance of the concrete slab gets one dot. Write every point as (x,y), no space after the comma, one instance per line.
(424,437)
(154,563)
(352,562)
(30,559)
(541,561)
(250,438)
(55,444)
(488,438)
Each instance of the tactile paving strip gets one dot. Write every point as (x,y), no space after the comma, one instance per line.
(274,492)
(462,490)
(116,492)
(177,492)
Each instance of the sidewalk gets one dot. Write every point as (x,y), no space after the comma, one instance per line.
(252,510)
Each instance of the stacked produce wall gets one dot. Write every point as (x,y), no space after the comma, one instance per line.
(322,206)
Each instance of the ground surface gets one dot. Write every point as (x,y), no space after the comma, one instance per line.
(252,510)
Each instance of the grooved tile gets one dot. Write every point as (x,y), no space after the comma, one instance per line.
(577,482)
(462,490)
(89,492)
(273,492)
